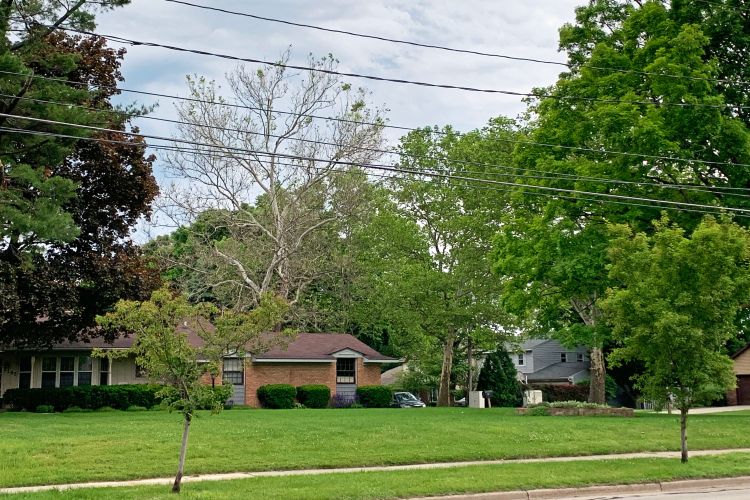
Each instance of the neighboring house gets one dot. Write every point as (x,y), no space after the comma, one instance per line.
(741,395)
(546,361)
(339,361)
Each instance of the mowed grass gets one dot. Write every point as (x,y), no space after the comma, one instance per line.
(76,447)
(401,484)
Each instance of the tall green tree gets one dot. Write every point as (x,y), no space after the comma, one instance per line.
(499,375)
(675,308)
(67,205)
(665,105)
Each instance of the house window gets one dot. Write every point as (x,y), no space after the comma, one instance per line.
(49,372)
(67,371)
(563,357)
(579,357)
(84,370)
(345,371)
(233,371)
(104,371)
(24,373)
(520,360)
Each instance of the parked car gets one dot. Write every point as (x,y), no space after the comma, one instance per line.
(406,400)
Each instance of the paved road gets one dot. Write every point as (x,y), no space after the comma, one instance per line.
(740,494)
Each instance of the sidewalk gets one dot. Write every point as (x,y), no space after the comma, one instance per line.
(346,470)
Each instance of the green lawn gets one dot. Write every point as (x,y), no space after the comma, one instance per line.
(400,484)
(59,448)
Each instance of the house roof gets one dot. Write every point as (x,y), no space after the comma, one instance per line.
(305,346)
(557,371)
(736,354)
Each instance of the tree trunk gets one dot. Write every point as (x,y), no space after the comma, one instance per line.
(444,392)
(683,435)
(470,371)
(597,394)
(183,451)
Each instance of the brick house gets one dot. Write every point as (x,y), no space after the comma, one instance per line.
(741,395)
(339,361)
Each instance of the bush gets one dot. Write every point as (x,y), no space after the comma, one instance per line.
(567,404)
(538,411)
(137,408)
(314,396)
(45,409)
(562,392)
(85,397)
(374,396)
(499,376)
(344,401)
(76,409)
(277,396)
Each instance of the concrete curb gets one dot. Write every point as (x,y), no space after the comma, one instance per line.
(682,486)
(348,470)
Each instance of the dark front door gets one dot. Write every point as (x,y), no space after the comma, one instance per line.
(743,389)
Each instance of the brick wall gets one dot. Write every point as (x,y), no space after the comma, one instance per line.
(367,373)
(296,374)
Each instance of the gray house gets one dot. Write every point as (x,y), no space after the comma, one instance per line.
(546,361)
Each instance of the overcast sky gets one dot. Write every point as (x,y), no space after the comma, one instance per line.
(513,27)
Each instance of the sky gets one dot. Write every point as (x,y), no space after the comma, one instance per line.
(526,28)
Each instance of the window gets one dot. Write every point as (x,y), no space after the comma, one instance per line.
(234,371)
(67,371)
(520,360)
(104,371)
(345,371)
(24,373)
(49,372)
(84,370)
(579,357)
(563,357)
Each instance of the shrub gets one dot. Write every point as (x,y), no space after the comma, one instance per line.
(86,397)
(538,411)
(554,392)
(344,401)
(45,409)
(499,376)
(314,396)
(374,396)
(137,408)
(76,409)
(277,396)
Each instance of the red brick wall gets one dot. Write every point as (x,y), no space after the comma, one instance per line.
(296,374)
(367,373)
(732,397)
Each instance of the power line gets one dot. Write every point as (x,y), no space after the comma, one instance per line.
(388,168)
(516,171)
(123,40)
(714,211)
(379,124)
(449,49)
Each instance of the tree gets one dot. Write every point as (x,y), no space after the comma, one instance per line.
(676,306)
(161,326)
(498,374)
(67,206)
(273,181)
(664,106)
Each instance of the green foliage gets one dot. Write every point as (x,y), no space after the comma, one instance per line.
(45,409)
(563,392)
(677,304)
(374,396)
(538,411)
(567,404)
(499,375)
(314,396)
(86,397)
(136,408)
(277,396)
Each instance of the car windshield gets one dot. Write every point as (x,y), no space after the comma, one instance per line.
(405,396)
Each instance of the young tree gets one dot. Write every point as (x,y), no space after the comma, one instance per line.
(676,306)
(271,179)
(161,327)
(499,375)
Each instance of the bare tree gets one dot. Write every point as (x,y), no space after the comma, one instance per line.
(268,175)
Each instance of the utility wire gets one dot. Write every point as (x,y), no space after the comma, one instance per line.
(210,154)
(386,168)
(515,171)
(450,49)
(378,124)
(130,41)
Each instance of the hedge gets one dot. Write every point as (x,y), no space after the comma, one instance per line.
(374,396)
(86,397)
(277,396)
(314,396)
(563,392)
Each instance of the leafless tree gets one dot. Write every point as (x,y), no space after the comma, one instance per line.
(267,179)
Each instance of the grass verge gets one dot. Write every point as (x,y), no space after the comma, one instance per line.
(62,448)
(401,484)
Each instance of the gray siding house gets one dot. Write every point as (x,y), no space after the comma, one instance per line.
(546,361)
